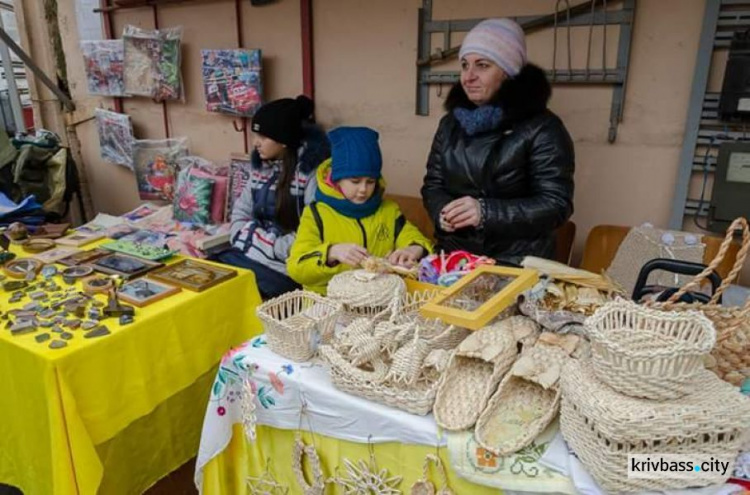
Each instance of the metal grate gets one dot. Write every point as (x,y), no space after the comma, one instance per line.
(703,129)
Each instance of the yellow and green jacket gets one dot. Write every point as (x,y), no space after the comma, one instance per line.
(321,226)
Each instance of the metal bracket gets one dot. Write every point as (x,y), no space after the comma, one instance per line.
(583,14)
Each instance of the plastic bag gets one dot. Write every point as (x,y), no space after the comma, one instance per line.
(232,81)
(115,137)
(155,164)
(152,62)
(103,62)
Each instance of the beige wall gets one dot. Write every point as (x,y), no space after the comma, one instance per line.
(365,74)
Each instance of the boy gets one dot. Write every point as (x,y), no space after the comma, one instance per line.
(350,220)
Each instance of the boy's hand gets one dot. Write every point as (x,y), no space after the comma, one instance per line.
(407,256)
(349,254)
(462,212)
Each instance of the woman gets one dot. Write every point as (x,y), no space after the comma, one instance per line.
(264,221)
(500,172)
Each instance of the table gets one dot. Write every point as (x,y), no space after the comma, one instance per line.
(122,410)
(340,425)
(299,399)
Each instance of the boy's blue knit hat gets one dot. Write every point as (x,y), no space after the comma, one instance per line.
(354,153)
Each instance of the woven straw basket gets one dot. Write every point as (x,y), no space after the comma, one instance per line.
(730,359)
(296,321)
(603,427)
(643,352)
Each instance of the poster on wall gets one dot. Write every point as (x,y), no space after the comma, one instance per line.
(115,137)
(239,175)
(152,62)
(103,62)
(155,163)
(232,81)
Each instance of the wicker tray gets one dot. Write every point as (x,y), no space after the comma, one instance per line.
(603,427)
(416,400)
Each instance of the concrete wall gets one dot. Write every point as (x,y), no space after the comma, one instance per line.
(365,54)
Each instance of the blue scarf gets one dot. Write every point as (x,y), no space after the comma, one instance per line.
(349,209)
(480,119)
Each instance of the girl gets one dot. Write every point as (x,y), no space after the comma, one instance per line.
(350,220)
(288,148)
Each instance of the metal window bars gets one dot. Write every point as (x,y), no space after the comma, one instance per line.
(590,13)
(704,129)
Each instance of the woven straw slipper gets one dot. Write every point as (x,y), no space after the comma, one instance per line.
(527,399)
(475,369)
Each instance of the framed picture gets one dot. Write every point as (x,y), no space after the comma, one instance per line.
(193,275)
(240,169)
(127,267)
(79,238)
(82,257)
(480,296)
(54,255)
(144,291)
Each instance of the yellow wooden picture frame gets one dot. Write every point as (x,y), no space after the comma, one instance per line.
(523,279)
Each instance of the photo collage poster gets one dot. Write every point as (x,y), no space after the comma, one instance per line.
(115,137)
(232,81)
(103,62)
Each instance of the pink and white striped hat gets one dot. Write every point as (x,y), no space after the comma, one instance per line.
(499,40)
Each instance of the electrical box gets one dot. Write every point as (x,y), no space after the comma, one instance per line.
(730,197)
(734,101)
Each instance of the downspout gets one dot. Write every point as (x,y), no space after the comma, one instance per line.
(308,68)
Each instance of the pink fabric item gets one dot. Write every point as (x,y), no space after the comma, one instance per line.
(329,182)
(499,40)
(219,201)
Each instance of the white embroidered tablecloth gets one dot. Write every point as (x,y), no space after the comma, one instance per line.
(281,386)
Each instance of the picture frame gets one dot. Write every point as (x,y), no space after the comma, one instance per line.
(55,254)
(480,296)
(193,275)
(144,291)
(127,267)
(82,257)
(78,239)
(240,169)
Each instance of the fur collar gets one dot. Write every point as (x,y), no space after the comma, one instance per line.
(520,98)
(314,149)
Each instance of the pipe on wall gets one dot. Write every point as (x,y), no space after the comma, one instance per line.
(308,67)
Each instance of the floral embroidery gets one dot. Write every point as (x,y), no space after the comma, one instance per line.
(236,367)
(276,383)
(485,458)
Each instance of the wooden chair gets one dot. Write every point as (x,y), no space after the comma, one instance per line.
(604,240)
(415,212)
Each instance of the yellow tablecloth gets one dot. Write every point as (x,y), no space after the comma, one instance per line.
(226,473)
(105,404)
